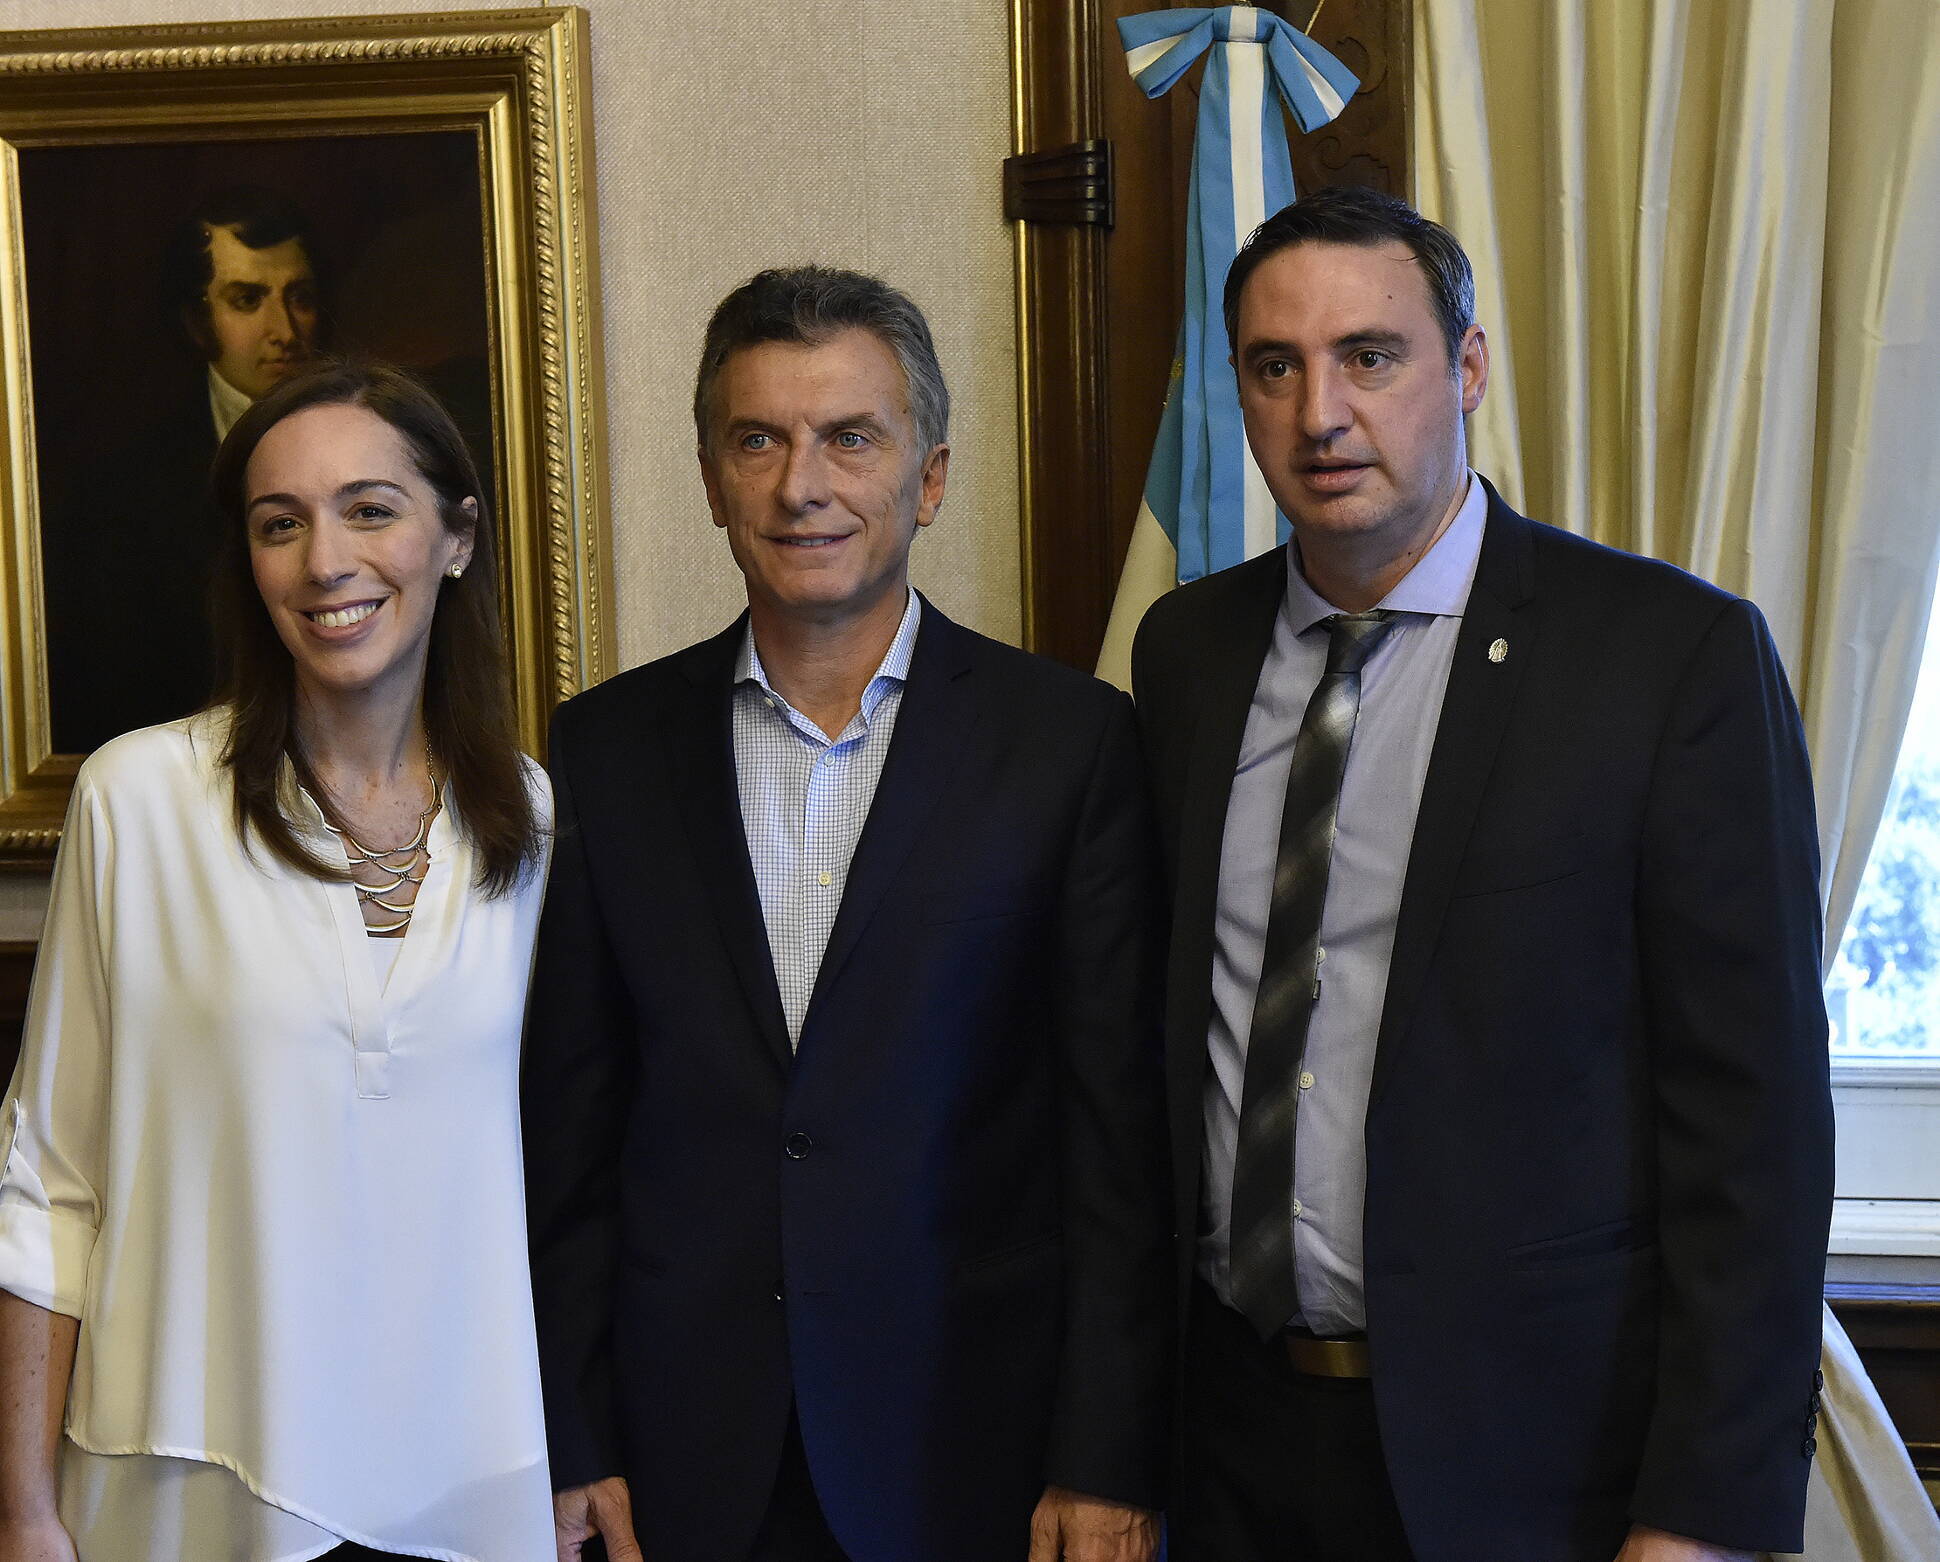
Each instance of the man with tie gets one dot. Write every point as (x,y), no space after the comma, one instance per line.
(844,1096)
(1495,1043)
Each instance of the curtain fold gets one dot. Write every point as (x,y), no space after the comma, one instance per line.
(1707,244)
(1756,183)
(1877,446)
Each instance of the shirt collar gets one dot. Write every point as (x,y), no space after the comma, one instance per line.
(891,672)
(1437,586)
(226,404)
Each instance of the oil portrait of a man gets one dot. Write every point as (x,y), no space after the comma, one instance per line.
(171,286)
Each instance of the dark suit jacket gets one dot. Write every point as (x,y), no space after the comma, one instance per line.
(1599,1142)
(942,1227)
(130,537)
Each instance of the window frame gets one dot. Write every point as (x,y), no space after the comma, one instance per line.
(1888,1172)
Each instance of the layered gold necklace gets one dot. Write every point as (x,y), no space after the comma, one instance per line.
(387,878)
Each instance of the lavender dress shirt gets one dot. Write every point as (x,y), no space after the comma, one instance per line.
(1401,699)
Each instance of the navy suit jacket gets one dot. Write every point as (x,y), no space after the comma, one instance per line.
(132,536)
(1599,1141)
(941,1226)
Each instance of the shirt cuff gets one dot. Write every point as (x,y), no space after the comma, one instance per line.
(43,1254)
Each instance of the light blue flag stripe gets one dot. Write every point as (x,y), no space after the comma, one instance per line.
(1220,513)
(1198,482)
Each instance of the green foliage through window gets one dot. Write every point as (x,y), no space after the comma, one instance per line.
(1884,993)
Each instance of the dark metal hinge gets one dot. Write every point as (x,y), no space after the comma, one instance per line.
(1069,184)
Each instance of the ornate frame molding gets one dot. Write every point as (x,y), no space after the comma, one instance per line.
(519,81)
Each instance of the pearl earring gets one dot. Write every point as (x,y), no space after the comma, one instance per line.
(455,571)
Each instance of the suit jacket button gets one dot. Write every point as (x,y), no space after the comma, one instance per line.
(1809,1447)
(1818,1381)
(796,1146)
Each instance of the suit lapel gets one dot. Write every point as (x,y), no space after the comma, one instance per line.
(1234,649)
(1475,713)
(710,797)
(937,713)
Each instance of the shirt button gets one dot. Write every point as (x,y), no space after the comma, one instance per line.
(824,878)
(1320,957)
(1296,1209)
(796,1146)
(1306,1082)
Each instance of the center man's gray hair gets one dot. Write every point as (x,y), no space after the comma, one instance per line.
(807,305)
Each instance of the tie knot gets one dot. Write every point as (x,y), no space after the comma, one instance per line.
(1352,637)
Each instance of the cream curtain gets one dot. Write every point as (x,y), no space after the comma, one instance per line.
(1707,247)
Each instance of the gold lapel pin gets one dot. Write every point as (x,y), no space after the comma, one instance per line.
(1499,651)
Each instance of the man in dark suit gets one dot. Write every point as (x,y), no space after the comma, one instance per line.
(1495,1043)
(844,1099)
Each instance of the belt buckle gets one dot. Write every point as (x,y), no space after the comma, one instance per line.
(1327,1358)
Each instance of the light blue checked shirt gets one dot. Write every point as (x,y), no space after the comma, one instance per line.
(804,800)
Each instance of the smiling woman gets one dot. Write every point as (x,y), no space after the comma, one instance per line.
(344,588)
(349,570)
(251,1146)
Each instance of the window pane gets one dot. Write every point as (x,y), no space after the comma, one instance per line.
(1884,993)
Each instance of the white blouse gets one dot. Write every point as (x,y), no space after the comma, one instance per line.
(282,1194)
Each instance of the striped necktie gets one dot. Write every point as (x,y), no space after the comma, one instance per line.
(1262,1265)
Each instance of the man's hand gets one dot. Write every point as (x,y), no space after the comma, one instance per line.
(605,1509)
(1645,1544)
(1071,1527)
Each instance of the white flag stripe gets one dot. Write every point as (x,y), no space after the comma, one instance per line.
(1151,570)
(1246,92)
(1330,100)
(1261,521)
(1137,59)
(1246,98)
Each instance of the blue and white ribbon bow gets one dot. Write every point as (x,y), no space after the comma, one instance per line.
(1202,486)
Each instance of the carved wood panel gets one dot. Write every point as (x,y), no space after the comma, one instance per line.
(1368,144)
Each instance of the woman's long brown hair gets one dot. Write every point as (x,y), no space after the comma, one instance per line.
(467,695)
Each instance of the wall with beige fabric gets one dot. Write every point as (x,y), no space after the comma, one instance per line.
(854,132)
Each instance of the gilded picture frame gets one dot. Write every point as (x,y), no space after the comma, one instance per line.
(388,120)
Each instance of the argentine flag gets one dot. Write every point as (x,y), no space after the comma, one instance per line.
(1206,505)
